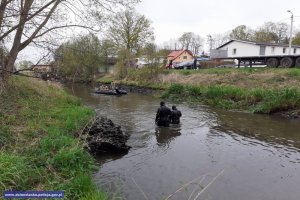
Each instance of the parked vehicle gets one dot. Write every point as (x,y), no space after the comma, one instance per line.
(186,65)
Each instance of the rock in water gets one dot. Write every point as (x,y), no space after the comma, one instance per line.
(104,136)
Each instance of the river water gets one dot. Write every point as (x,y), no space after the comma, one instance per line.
(213,154)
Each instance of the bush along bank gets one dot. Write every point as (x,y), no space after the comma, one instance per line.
(257,100)
(38,148)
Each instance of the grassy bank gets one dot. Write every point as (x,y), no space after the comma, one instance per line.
(38,150)
(145,77)
(257,100)
(260,90)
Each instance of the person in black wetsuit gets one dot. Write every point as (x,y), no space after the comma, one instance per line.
(175,115)
(163,115)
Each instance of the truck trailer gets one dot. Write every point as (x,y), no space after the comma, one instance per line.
(258,53)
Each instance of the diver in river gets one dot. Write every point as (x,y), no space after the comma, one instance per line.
(112,85)
(163,115)
(175,115)
(117,90)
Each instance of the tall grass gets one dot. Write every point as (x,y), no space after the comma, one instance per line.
(293,72)
(39,150)
(14,171)
(274,100)
(145,74)
(258,100)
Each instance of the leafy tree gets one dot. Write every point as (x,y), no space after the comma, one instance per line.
(125,59)
(241,33)
(296,39)
(107,51)
(154,59)
(163,52)
(79,58)
(263,36)
(130,30)
(150,50)
(25,64)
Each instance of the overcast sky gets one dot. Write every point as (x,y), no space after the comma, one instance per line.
(171,18)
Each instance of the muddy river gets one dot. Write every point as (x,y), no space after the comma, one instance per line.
(213,154)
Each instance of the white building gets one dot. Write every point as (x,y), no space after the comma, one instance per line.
(241,48)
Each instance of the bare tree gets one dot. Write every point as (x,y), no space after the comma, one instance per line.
(191,41)
(197,43)
(272,32)
(130,30)
(24,22)
(170,45)
(219,39)
(282,32)
(186,40)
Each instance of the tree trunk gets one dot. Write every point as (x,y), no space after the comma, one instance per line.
(3,6)
(10,59)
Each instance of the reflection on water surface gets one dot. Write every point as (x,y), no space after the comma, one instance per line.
(259,154)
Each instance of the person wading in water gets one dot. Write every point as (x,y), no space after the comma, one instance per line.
(163,115)
(175,115)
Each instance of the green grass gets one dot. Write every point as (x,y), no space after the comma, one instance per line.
(143,77)
(260,90)
(14,171)
(105,79)
(278,100)
(221,71)
(39,150)
(258,100)
(293,72)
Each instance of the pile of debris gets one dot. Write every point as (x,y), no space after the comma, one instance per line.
(102,135)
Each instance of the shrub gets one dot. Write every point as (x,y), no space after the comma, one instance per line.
(176,89)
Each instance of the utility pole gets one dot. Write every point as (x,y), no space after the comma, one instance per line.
(291,32)
(210,42)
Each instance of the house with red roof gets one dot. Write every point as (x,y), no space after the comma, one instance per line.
(180,56)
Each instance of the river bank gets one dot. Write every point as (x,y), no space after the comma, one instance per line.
(258,152)
(39,151)
(257,90)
